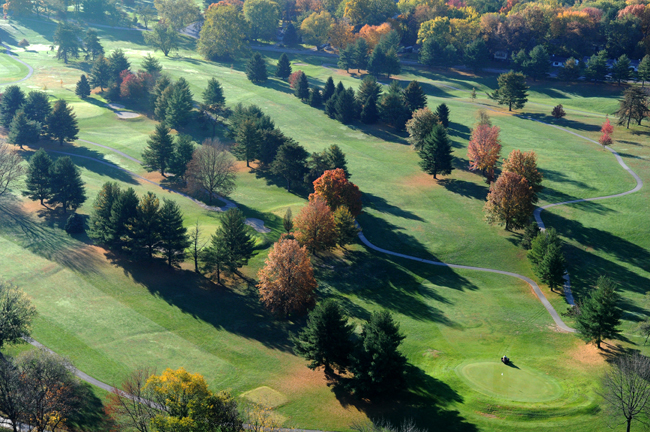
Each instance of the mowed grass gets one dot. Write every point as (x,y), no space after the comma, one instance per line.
(110,315)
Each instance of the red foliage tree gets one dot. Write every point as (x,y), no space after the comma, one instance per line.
(606,134)
(294,78)
(484,150)
(135,86)
(336,190)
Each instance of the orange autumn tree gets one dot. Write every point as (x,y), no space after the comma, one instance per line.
(484,150)
(372,34)
(525,164)
(314,226)
(341,34)
(509,202)
(337,190)
(287,282)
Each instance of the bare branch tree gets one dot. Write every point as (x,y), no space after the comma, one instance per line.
(10,167)
(197,244)
(211,170)
(626,388)
(132,406)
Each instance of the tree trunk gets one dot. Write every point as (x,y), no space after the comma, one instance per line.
(434,176)
(219,273)
(247,164)
(629,423)
(196,262)
(628,122)
(598,343)
(510,106)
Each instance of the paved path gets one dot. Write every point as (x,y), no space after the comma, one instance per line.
(13,56)
(229,204)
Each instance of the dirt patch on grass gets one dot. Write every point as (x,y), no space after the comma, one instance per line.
(421,180)
(587,354)
(154,176)
(301,378)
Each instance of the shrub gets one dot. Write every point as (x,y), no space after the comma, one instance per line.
(75,224)
(558,112)
(294,78)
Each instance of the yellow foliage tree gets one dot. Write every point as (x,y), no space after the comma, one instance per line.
(341,35)
(315,27)
(223,32)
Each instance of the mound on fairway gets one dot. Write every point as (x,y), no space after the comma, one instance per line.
(510,382)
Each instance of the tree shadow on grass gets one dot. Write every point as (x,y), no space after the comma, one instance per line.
(43,239)
(560,177)
(564,122)
(466,189)
(424,400)
(380,204)
(459,131)
(89,414)
(222,308)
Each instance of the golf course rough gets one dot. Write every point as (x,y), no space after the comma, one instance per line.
(511,382)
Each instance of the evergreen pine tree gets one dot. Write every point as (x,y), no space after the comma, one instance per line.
(369,87)
(335,158)
(123,213)
(347,57)
(173,237)
(13,99)
(146,229)
(512,90)
(599,314)
(100,74)
(287,221)
(66,185)
(392,65)
(377,61)
(23,131)
(345,107)
(62,122)
(181,156)
(443,114)
(83,88)
(414,96)
(392,107)
(315,99)
(436,153)
(249,139)
(330,106)
(531,231)
(328,90)
(179,105)
(214,256)
(339,88)
(159,151)
(213,93)
(377,365)
(597,66)
(283,70)
(99,225)
(256,69)
(361,54)
(38,177)
(326,340)
(302,88)
(540,244)
(643,70)
(161,102)
(621,70)
(551,269)
(118,63)
(369,112)
(151,65)
(346,228)
(37,107)
(290,35)
(92,45)
(237,243)
(290,163)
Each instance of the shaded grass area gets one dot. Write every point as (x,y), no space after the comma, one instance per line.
(111,315)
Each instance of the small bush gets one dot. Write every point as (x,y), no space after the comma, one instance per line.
(558,112)
(294,78)
(75,224)
(23,43)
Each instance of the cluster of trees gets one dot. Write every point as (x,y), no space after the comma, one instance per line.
(172,401)
(512,197)
(372,359)
(30,117)
(54,183)
(380,58)
(257,139)
(633,106)
(138,226)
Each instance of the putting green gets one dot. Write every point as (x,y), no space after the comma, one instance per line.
(498,380)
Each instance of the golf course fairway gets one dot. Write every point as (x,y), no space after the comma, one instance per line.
(509,382)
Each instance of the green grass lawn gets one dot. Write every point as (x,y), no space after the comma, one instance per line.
(110,315)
